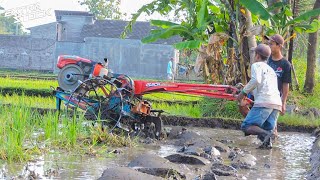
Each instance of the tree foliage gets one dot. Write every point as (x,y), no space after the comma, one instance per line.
(279,22)
(103,9)
(195,19)
(312,54)
(8,25)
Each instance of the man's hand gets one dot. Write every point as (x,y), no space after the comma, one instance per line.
(240,97)
(283,111)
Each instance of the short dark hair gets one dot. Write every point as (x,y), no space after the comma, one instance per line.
(263,57)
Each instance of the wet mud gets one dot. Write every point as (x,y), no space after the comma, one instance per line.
(225,123)
(314,172)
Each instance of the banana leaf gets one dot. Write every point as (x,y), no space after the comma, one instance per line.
(202,15)
(162,24)
(193,44)
(305,16)
(167,33)
(257,8)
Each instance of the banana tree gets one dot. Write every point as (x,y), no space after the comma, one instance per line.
(281,21)
(196,19)
(284,21)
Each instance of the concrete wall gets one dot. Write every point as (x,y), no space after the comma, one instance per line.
(129,57)
(47,31)
(26,53)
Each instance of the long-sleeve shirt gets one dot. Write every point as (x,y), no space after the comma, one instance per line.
(264,86)
(169,67)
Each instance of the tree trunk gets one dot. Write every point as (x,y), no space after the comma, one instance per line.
(233,30)
(295,11)
(251,39)
(311,56)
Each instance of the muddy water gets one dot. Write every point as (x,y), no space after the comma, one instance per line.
(289,159)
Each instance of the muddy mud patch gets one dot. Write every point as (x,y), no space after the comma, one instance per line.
(225,123)
(314,172)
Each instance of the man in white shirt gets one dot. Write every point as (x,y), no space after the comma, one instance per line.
(262,118)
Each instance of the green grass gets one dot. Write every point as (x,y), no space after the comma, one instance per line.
(297,120)
(299,97)
(172,97)
(179,110)
(29,101)
(11,72)
(27,83)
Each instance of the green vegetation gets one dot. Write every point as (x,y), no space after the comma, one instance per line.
(9,24)
(27,83)
(179,110)
(103,9)
(33,73)
(28,101)
(174,97)
(303,99)
(24,133)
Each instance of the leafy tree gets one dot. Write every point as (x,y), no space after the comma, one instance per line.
(103,9)
(197,19)
(281,21)
(9,25)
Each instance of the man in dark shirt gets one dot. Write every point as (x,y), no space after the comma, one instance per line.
(282,67)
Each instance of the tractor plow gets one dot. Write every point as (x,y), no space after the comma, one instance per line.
(117,101)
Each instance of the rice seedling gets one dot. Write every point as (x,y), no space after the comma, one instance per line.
(24,132)
(14,131)
(28,84)
(28,101)
(10,72)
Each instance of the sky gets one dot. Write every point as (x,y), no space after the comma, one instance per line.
(37,12)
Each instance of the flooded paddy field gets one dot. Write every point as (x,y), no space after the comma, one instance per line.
(289,158)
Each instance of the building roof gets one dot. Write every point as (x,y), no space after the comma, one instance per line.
(43,25)
(59,13)
(114,28)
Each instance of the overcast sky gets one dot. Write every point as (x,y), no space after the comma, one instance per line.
(37,12)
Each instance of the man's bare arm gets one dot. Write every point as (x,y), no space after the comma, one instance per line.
(285,93)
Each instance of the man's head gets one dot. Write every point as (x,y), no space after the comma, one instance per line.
(262,52)
(276,43)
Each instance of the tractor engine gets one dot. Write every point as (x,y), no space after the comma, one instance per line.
(75,69)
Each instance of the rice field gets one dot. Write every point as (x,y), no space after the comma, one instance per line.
(25,132)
